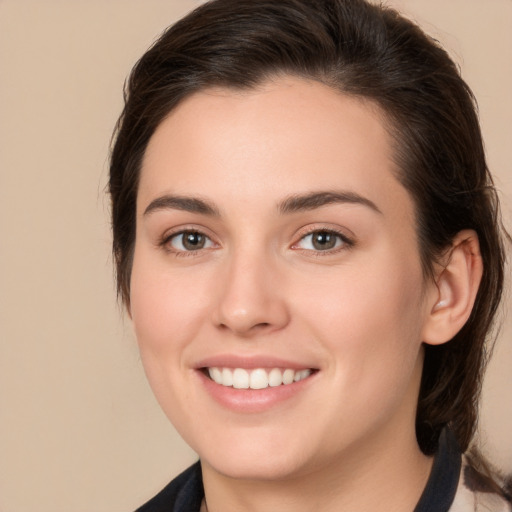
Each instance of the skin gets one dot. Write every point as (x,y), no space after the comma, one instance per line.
(358,314)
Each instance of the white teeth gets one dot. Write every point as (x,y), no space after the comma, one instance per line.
(305,374)
(216,375)
(288,376)
(275,377)
(227,377)
(240,378)
(258,378)
(301,375)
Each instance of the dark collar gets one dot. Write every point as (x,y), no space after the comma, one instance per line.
(443,481)
(185,492)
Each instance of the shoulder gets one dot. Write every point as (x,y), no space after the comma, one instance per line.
(183,494)
(476,493)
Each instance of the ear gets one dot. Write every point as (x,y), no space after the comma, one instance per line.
(452,295)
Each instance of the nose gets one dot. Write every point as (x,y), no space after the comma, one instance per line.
(251,298)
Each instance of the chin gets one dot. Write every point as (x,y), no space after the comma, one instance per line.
(250,456)
(261,467)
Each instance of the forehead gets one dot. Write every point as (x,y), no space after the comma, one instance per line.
(287,136)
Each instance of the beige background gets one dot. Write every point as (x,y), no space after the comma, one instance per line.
(79,428)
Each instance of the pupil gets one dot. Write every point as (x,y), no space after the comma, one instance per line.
(193,241)
(324,240)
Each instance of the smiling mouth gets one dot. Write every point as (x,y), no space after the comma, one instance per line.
(258,378)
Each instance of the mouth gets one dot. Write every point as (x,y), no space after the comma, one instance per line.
(256,378)
(256,384)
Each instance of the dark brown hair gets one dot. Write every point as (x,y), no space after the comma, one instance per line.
(367,51)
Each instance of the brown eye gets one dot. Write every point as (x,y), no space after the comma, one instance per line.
(323,240)
(189,241)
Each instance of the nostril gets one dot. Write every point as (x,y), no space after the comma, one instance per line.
(245,329)
(262,324)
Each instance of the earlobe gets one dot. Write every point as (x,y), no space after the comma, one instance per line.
(454,290)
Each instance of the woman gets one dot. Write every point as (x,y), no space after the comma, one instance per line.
(307,241)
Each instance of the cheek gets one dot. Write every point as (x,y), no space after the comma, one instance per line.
(371,319)
(383,292)
(165,316)
(165,306)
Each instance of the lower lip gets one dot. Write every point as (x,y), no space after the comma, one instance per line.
(253,400)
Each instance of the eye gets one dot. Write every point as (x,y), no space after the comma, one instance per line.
(187,241)
(322,240)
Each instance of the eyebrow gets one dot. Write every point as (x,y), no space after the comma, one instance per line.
(292,204)
(187,204)
(311,201)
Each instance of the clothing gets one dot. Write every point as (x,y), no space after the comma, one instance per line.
(453,486)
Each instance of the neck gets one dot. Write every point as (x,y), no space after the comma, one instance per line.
(390,477)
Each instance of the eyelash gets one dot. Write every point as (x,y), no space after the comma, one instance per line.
(167,240)
(346,242)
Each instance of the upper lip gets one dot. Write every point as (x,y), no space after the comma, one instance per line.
(250,362)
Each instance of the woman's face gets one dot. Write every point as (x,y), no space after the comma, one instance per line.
(274,243)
